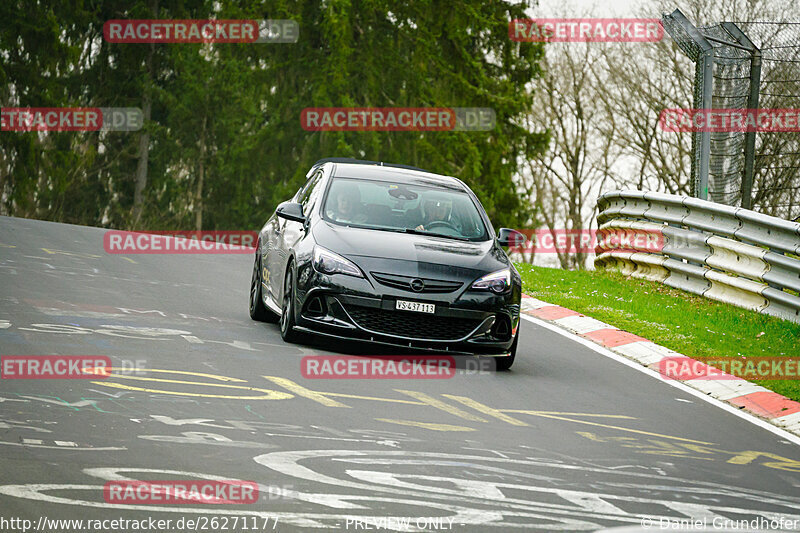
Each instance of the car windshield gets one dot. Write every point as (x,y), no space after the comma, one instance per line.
(389,206)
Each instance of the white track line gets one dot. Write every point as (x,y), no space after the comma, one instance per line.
(674,383)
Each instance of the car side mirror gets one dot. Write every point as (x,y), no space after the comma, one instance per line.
(510,238)
(291,211)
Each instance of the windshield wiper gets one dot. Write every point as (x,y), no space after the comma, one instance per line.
(409,230)
(430,234)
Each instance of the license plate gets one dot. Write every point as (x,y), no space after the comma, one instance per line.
(402,305)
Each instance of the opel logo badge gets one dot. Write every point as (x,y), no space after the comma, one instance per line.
(417,285)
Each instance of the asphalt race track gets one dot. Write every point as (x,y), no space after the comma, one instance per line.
(569,440)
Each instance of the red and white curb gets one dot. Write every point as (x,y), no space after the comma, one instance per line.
(742,394)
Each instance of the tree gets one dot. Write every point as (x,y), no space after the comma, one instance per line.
(223,143)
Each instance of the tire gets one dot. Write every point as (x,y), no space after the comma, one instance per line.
(504,363)
(287,322)
(258,311)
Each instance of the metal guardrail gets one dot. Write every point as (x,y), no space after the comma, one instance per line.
(725,253)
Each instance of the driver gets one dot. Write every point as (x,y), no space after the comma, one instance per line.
(435,208)
(346,205)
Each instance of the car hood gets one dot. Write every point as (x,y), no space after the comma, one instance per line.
(409,254)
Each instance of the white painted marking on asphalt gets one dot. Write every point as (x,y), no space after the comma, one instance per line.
(241,344)
(585,504)
(13,424)
(78,449)
(682,400)
(32,441)
(392,443)
(65,443)
(115,395)
(795,439)
(497,453)
(5,324)
(236,344)
(214,439)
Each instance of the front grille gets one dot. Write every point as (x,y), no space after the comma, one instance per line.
(404,283)
(410,324)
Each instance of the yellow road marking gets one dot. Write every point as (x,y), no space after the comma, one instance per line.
(73,254)
(438,404)
(373,398)
(639,431)
(534,412)
(324,397)
(299,390)
(660,447)
(665,448)
(185,372)
(698,449)
(7,245)
(425,425)
(592,436)
(129,259)
(161,380)
(485,409)
(270,394)
(783,463)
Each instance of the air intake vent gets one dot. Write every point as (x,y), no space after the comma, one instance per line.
(411,325)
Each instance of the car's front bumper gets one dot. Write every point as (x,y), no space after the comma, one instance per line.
(480,324)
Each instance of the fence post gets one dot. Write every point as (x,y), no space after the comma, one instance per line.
(707,88)
(699,50)
(752,103)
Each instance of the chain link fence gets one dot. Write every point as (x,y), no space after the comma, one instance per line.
(744,65)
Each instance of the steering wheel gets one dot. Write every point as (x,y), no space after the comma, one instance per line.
(437,223)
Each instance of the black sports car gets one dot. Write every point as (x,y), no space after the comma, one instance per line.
(392,255)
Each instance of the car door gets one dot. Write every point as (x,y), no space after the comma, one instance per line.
(288,232)
(274,254)
(269,234)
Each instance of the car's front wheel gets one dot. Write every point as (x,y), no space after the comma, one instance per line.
(258,311)
(288,332)
(504,363)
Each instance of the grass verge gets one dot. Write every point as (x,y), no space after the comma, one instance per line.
(681,321)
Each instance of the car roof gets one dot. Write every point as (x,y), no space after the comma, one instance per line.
(395,173)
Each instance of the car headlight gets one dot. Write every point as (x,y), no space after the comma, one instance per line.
(498,282)
(327,262)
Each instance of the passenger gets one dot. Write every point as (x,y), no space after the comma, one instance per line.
(347,207)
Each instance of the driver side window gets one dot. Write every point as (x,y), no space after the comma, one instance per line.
(308,196)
